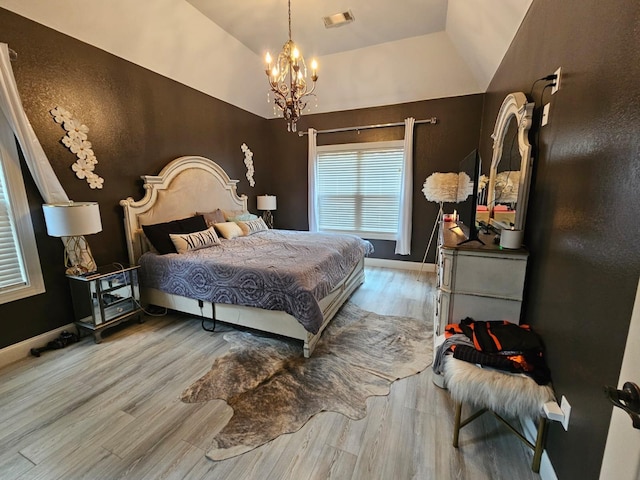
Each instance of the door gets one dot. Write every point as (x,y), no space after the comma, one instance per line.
(622,451)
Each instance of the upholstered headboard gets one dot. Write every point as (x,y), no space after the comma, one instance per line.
(185,186)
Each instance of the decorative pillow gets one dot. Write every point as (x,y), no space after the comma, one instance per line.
(158,234)
(185,242)
(238,216)
(229,230)
(253,226)
(217,216)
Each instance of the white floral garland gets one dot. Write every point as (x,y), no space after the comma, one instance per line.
(248,161)
(76,141)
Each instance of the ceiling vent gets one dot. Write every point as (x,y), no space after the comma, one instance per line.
(338,19)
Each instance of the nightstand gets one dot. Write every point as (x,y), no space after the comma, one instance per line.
(105,298)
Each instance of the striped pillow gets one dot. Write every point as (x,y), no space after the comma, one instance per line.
(252,226)
(185,242)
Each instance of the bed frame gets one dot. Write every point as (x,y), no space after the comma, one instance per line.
(196,184)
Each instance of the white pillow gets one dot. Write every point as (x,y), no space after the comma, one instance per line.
(185,242)
(229,230)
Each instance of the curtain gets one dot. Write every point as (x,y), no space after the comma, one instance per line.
(403,241)
(313,202)
(11,106)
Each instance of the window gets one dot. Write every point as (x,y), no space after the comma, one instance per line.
(20,273)
(358,188)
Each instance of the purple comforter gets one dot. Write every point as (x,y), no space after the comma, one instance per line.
(275,270)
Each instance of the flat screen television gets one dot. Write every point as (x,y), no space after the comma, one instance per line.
(470,165)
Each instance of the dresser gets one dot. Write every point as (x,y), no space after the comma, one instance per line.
(484,282)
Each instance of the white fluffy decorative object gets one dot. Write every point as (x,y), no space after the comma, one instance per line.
(507,394)
(465,187)
(441,187)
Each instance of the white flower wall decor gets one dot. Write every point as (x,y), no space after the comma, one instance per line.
(77,141)
(248,161)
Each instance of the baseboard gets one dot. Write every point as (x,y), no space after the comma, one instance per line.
(398,264)
(530,432)
(21,350)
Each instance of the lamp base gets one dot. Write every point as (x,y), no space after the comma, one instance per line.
(77,256)
(267,216)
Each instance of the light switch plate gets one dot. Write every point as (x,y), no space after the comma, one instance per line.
(556,85)
(566,409)
(545,114)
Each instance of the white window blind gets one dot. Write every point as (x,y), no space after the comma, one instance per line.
(20,272)
(358,188)
(12,272)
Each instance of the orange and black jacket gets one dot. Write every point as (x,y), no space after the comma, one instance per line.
(502,345)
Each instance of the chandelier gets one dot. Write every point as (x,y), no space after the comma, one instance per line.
(288,81)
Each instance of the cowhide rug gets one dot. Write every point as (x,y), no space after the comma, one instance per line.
(274,390)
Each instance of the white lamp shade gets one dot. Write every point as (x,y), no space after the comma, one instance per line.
(72,219)
(441,187)
(266,202)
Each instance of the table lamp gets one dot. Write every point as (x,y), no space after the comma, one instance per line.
(267,203)
(71,221)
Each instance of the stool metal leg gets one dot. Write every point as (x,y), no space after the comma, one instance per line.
(456,428)
(537,453)
(463,423)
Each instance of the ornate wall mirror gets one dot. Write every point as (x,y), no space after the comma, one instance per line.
(510,173)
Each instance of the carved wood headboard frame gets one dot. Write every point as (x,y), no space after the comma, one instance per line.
(185,186)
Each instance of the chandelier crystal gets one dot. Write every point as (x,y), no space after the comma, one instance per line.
(288,81)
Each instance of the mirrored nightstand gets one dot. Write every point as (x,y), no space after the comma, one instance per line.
(105,298)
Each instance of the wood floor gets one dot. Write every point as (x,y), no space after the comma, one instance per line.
(111,411)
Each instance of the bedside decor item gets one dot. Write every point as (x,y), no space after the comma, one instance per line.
(360,355)
(77,141)
(71,221)
(248,161)
(288,81)
(267,203)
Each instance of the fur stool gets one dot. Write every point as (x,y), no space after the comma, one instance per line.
(501,393)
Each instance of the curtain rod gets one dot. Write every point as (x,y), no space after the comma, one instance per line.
(432,120)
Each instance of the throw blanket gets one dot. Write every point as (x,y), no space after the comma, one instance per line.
(275,270)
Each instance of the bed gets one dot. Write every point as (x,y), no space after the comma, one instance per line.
(196,184)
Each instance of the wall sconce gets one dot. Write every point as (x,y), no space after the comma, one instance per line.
(71,221)
(267,203)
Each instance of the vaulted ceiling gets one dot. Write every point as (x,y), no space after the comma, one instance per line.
(394,52)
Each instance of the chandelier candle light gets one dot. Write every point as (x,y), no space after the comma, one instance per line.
(288,80)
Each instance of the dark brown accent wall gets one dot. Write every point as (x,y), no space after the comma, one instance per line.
(138,122)
(582,222)
(437,148)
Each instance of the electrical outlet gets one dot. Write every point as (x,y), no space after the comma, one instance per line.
(545,114)
(556,85)
(566,410)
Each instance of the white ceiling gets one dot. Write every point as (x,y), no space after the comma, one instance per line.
(395,51)
(261,25)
